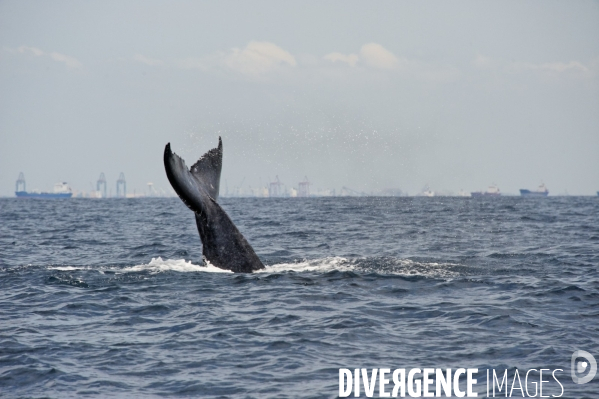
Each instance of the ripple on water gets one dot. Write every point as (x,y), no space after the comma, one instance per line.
(99,299)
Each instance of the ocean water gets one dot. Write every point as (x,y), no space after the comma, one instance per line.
(110,298)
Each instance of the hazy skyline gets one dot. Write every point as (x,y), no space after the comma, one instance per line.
(456,95)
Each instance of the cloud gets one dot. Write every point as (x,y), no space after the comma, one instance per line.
(255,59)
(483,62)
(258,58)
(34,50)
(371,54)
(377,56)
(553,66)
(70,62)
(351,59)
(148,61)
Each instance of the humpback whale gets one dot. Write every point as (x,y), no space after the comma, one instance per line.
(222,243)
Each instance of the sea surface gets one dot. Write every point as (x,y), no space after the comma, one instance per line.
(111,298)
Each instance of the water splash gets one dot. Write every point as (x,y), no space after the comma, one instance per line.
(314,265)
(379,265)
(178,265)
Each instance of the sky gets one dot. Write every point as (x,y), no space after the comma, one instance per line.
(456,95)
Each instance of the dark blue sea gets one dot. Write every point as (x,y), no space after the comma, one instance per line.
(110,298)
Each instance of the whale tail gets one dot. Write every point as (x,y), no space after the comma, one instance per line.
(202,177)
(223,245)
(207,170)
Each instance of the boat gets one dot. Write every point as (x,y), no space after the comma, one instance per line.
(426,192)
(492,191)
(61,190)
(539,192)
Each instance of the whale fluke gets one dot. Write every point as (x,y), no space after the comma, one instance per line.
(223,245)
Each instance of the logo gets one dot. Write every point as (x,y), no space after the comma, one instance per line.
(582,366)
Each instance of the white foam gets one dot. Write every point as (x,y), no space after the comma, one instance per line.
(408,267)
(177,265)
(68,268)
(405,267)
(319,265)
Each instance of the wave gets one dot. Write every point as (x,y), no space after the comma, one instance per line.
(316,265)
(176,265)
(156,265)
(379,265)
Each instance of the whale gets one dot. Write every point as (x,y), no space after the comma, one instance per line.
(223,245)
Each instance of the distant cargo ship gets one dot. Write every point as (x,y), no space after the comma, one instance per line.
(492,191)
(61,190)
(539,192)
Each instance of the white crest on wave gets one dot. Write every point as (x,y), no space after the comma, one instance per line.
(177,265)
(405,267)
(68,268)
(320,265)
